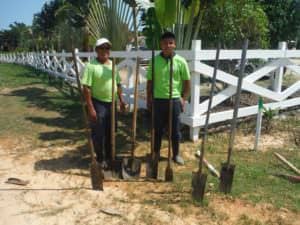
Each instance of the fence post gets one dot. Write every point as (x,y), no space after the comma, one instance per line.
(48,62)
(195,92)
(63,60)
(277,79)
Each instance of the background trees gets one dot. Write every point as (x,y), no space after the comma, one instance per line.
(65,24)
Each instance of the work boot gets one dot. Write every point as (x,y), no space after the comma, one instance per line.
(179,160)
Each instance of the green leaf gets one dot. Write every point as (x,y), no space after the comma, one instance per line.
(166,12)
(187,12)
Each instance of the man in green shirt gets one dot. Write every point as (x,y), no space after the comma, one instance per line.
(97,89)
(180,92)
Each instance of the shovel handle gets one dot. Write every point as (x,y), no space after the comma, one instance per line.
(82,101)
(152,105)
(113,109)
(135,106)
(170,111)
(237,101)
(286,162)
(204,137)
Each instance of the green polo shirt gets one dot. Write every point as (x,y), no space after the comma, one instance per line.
(98,77)
(162,76)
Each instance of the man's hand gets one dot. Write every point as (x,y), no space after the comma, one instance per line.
(123,106)
(182,103)
(92,115)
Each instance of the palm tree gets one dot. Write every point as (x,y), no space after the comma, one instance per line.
(44,22)
(112,19)
(76,12)
(183,17)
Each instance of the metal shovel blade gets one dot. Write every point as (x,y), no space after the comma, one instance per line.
(152,169)
(131,168)
(198,185)
(169,173)
(114,170)
(96,175)
(226,178)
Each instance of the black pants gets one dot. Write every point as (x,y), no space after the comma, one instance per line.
(101,130)
(161,120)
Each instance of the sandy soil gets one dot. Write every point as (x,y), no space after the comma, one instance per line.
(54,196)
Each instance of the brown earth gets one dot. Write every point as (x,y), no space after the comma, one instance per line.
(55,197)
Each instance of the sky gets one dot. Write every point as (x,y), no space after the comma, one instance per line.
(19,11)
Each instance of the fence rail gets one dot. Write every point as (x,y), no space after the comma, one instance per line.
(276,61)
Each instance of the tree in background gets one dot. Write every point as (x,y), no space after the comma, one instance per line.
(74,13)
(179,16)
(284,20)
(44,24)
(151,28)
(112,19)
(232,21)
(65,24)
(209,20)
(17,38)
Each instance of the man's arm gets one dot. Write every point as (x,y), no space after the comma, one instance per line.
(122,102)
(88,98)
(185,93)
(186,89)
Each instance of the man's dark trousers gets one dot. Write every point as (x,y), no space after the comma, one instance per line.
(161,120)
(101,130)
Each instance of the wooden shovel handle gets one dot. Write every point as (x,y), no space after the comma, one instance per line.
(113,109)
(85,115)
(237,101)
(289,164)
(170,111)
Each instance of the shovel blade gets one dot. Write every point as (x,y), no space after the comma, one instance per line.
(198,185)
(152,169)
(169,174)
(114,170)
(96,176)
(131,168)
(226,179)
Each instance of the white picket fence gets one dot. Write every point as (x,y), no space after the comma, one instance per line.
(61,65)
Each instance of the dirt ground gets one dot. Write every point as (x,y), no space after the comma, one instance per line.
(59,192)
(66,198)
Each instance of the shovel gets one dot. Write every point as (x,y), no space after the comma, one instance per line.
(199,178)
(152,164)
(131,167)
(95,167)
(169,170)
(114,169)
(227,169)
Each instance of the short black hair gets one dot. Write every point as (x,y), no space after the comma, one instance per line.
(168,35)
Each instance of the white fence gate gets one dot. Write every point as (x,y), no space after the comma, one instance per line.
(61,65)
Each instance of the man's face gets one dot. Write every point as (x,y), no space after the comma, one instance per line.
(103,52)
(167,46)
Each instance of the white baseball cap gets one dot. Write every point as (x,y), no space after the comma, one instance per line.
(102,41)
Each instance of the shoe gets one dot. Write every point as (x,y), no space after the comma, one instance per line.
(179,160)
(104,165)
